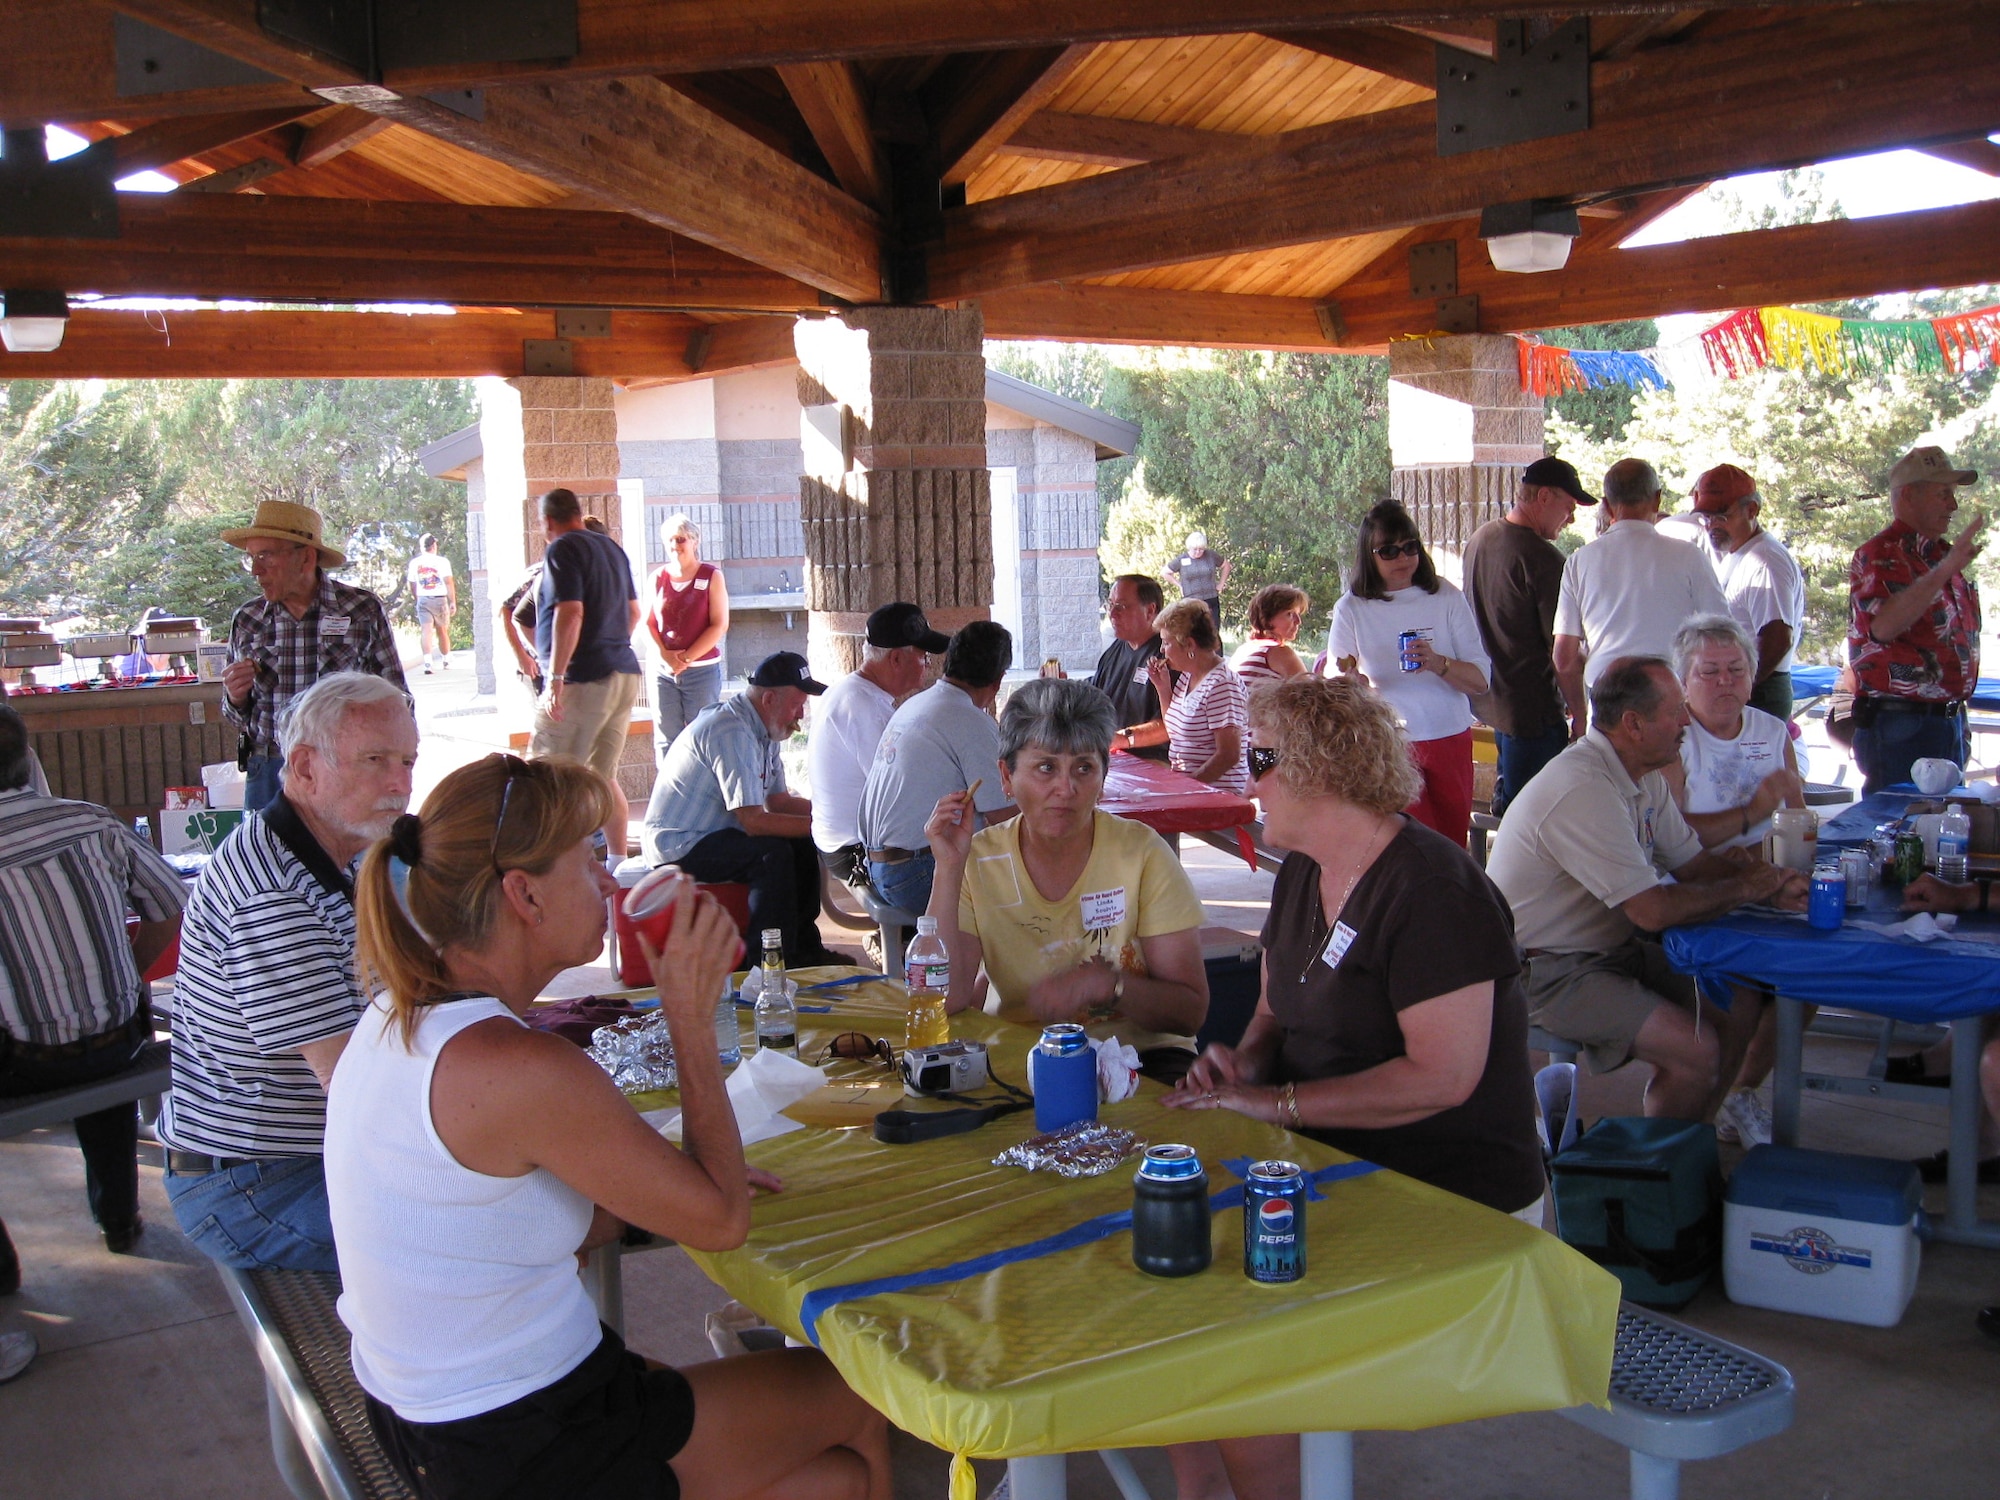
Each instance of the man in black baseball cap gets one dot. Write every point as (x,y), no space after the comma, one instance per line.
(1553,473)
(721,811)
(902,624)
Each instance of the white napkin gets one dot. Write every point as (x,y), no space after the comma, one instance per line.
(762,1085)
(1925,927)
(1117,1069)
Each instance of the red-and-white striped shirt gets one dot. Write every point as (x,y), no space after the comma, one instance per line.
(1199,709)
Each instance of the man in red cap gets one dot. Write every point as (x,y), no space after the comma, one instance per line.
(1913,636)
(1764,587)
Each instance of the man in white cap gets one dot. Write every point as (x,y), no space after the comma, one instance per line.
(305,627)
(1913,630)
(1201,574)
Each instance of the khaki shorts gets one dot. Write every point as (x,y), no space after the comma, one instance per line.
(1600,1000)
(596,718)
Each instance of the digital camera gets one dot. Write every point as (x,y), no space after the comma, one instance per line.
(952,1068)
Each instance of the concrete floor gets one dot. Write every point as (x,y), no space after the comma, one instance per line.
(146,1385)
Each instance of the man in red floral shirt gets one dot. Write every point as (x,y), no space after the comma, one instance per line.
(1913,636)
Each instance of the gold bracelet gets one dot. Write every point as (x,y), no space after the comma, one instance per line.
(1288,1106)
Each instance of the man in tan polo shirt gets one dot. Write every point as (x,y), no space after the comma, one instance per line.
(1583,856)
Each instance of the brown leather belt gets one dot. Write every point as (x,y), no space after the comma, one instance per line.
(133,1032)
(891,856)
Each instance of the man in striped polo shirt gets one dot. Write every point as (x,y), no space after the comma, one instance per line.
(267,993)
(72,1004)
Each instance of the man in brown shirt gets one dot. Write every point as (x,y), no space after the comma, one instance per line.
(1513,573)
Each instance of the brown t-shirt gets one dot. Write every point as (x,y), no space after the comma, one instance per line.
(1512,578)
(1422,922)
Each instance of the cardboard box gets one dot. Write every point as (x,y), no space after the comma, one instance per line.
(1824,1234)
(197,830)
(225,784)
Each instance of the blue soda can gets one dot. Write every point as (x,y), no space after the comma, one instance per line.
(1274,1222)
(1826,907)
(1406,652)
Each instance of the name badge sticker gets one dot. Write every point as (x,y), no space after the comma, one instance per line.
(1141,676)
(333,625)
(1103,910)
(701,584)
(1337,944)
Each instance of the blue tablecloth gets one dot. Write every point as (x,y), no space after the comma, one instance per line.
(1815,682)
(1858,968)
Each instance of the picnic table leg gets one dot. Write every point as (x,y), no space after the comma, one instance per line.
(1326,1466)
(1042,1477)
(1962,1224)
(1785,1074)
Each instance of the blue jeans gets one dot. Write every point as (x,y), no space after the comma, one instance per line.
(258,1215)
(1521,756)
(1886,749)
(908,884)
(261,786)
(676,701)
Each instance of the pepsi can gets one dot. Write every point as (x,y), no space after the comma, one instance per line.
(1274,1222)
(1406,649)
(1826,907)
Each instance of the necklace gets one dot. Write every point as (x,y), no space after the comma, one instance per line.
(1376,844)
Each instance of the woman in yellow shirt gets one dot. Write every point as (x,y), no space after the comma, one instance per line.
(1075,915)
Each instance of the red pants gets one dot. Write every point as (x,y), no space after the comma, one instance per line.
(1445,802)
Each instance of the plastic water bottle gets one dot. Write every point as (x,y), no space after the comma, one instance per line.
(1954,840)
(728,1034)
(777,1017)
(927,969)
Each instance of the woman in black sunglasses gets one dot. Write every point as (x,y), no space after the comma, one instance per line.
(1411,636)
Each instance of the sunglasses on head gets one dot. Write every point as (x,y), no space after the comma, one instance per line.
(1263,758)
(1390,551)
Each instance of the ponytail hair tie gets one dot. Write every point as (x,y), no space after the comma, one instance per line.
(406,839)
(405,849)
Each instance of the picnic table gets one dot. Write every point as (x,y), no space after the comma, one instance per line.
(1172,802)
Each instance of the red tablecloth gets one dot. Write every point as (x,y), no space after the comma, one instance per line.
(1170,801)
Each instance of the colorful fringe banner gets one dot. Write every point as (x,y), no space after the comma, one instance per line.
(1969,340)
(1796,338)
(1792,339)
(1736,345)
(1873,347)
(1549,371)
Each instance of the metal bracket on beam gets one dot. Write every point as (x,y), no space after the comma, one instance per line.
(1534,86)
(1434,269)
(697,348)
(72,199)
(372,36)
(1458,315)
(547,357)
(147,60)
(1332,326)
(583,323)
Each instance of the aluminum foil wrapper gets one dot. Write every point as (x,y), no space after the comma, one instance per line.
(637,1052)
(1086,1150)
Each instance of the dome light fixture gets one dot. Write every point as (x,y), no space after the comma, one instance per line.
(32,322)
(1530,236)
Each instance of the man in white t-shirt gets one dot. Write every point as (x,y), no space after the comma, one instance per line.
(1626,593)
(1764,587)
(847,724)
(437,600)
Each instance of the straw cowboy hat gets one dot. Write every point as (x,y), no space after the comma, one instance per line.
(282,521)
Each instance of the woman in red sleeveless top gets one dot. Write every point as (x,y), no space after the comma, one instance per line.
(687,616)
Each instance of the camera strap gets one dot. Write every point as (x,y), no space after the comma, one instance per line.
(906,1127)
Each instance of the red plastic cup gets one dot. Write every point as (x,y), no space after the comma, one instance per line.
(650,903)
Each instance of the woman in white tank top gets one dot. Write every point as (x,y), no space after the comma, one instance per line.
(1737,765)
(471,1161)
(1268,656)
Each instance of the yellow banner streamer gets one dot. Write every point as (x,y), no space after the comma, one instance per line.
(1797,339)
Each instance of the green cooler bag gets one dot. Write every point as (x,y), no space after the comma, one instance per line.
(1643,1198)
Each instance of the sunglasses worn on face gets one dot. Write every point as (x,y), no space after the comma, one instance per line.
(1263,759)
(1390,551)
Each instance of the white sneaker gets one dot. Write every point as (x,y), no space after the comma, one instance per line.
(17,1352)
(1744,1118)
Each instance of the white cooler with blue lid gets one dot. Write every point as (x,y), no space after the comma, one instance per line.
(1821,1233)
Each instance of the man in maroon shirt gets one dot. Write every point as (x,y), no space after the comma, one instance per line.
(1913,635)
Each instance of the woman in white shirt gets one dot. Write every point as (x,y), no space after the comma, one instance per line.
(471,1161)
(1394,589)
(1275,616)
(1208,710)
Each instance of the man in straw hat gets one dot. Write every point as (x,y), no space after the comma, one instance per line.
(305,627)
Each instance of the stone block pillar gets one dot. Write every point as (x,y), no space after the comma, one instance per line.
(894,500)
(1461,429)
(569,440)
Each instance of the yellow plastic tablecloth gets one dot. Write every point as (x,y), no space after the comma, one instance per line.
(1418,1307)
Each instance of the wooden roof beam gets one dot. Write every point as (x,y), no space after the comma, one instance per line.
(831,97)
(1388,50)
(1980,155)
(1835,84)
(982,106)
(1051,135)
(151,147)
(344,128)
(310,249)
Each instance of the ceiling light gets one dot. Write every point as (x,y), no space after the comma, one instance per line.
(32,322)
(1531,236)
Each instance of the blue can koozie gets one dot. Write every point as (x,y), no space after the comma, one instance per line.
(1826,906)
(1062,1071)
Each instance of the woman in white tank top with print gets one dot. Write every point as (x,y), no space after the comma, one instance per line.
(1737,765)
(472,1160)
(1268,656)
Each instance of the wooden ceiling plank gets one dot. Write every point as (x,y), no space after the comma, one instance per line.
(834,104)
(991,104)
(1388,50)
(1840,83)
(1053,136)
(340,250)
(343,130)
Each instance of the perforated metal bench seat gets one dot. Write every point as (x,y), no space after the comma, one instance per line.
(1678,1393)
(320,1437)
(150,1074)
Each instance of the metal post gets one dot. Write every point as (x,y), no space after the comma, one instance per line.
(1042,1477)
(604,1280)
(1655,1478)
(1785,1075)
(1130,1485)
(1962,1224)
(1326,1466)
